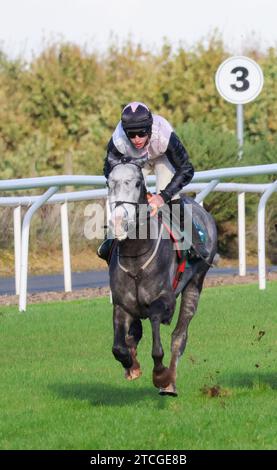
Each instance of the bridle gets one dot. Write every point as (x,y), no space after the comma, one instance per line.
(123,161)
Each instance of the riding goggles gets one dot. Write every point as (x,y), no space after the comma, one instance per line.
(140,133)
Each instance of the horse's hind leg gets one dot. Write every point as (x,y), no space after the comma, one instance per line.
(189,302)
(132,339)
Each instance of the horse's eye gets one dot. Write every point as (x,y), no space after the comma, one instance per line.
(137,184)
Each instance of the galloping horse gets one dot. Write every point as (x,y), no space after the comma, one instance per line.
(142,271)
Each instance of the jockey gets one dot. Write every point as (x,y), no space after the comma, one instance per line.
(141,133)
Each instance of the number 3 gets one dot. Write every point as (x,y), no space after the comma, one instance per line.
(244,85)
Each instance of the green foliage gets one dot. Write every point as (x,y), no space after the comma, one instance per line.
(69,100)
(208,146)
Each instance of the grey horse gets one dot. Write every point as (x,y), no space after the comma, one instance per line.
(142,271)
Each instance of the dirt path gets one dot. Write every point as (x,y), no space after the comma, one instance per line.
(211,281)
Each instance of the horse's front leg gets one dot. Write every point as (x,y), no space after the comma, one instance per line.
(161,374)
(132,339)
(125,341)
(120,349)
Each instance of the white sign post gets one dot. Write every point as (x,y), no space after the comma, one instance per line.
(239,80)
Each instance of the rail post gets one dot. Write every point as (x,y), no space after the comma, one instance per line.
(66,248)
(25,244)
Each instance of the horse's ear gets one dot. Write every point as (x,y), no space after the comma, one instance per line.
(113,160)
(140,162)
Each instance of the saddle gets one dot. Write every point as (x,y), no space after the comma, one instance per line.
(184,255)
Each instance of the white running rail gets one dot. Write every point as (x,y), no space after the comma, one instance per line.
(211,179)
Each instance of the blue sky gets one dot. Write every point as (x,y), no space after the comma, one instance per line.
(27,25)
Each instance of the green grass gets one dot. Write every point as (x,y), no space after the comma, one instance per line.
(62,389)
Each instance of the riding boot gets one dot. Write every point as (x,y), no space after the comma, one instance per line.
(104,250)
(198,248)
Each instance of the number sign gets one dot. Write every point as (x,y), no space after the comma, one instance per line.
(239,80)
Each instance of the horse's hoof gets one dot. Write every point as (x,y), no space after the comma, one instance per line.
(170,391)
(162,379)
(132,374)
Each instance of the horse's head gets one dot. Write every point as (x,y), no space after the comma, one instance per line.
(126,191)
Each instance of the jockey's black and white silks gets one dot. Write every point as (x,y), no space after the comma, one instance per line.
(167,157)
